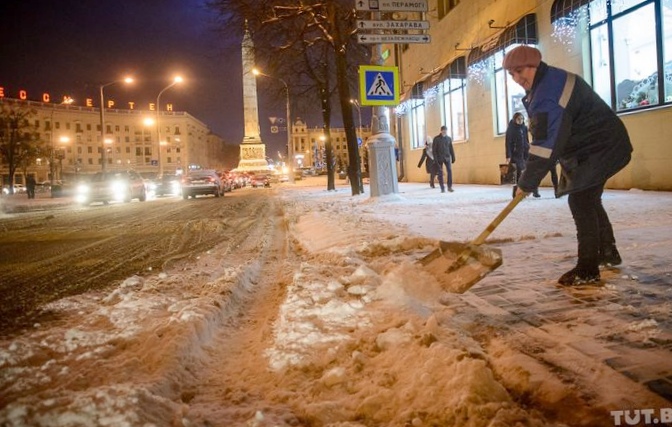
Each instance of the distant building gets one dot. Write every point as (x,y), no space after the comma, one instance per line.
(310,145)
(74,134)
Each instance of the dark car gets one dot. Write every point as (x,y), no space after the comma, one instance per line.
(112,186)
(167,185)
(201,182)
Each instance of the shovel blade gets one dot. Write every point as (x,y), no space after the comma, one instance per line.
(459,266)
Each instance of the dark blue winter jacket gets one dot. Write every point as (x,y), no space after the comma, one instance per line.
(572,125)
(517,143)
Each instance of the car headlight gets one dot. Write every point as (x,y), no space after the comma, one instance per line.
(118,190)
(83,189)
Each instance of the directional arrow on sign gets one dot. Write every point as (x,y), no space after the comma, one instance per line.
(393,38)
(393,25)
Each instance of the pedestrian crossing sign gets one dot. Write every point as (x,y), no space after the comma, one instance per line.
(378,85)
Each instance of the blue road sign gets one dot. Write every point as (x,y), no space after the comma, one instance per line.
(379,85)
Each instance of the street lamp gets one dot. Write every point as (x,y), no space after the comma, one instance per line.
(290,146)
(64,140)
(176,80)
(102,117)
(66,101)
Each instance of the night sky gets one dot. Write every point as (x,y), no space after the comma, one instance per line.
(71,47)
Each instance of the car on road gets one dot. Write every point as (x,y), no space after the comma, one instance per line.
(112,186)
(166,185)
(260,180)
(201,182)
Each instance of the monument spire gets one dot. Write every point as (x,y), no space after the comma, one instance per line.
(252,149)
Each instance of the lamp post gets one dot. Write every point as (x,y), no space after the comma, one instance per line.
(64,140)
(103,157)
(290,146)
(52,169)
(176,80)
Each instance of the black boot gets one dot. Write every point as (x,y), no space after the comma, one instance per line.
(515,188)
(609,256)
(579,276)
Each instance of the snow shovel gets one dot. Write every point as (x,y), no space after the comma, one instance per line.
(458,266)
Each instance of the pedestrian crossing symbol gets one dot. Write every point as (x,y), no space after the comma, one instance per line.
(378,85)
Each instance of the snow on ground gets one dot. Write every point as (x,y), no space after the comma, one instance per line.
(376,332)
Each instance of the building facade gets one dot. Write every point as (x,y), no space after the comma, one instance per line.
(131,141)
(623,48)
(309,146)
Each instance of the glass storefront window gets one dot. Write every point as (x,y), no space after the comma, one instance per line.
(618,6)
(599,39)
(626,52)
(598,11)
(667,48)
(418,133)
(454,108)
(500,101)
(508,94)
(635,59)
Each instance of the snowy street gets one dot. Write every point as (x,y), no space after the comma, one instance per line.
(317,314)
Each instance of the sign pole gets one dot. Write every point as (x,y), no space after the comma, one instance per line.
(381,144)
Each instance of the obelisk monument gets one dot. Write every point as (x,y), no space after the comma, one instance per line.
(252,149)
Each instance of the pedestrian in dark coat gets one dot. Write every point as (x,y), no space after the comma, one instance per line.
(442,148)
(517,145)
(428,159)
(30,186)
(572,125)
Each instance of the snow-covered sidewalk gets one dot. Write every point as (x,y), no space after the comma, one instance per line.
(369,337)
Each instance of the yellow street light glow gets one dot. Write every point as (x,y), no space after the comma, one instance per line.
(148,121)
(64,139)
(255,71)
(178,79)
(128,80)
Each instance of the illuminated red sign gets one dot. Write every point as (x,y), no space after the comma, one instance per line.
(88,102)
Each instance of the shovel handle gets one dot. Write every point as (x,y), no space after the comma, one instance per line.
(498,219)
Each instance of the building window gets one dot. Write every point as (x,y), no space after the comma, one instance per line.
(453,97)
(418,124)
(630,48)
(445,6)
(88,126)
(508,94)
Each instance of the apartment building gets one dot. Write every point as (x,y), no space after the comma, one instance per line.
(131,141)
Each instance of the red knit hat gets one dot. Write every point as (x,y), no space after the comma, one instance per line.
(522,56)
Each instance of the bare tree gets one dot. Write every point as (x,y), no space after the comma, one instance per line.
(294,33)
(19,142)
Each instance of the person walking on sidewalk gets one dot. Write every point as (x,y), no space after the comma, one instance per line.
(442,148)
(572,125)
(517,145)
(428,159)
